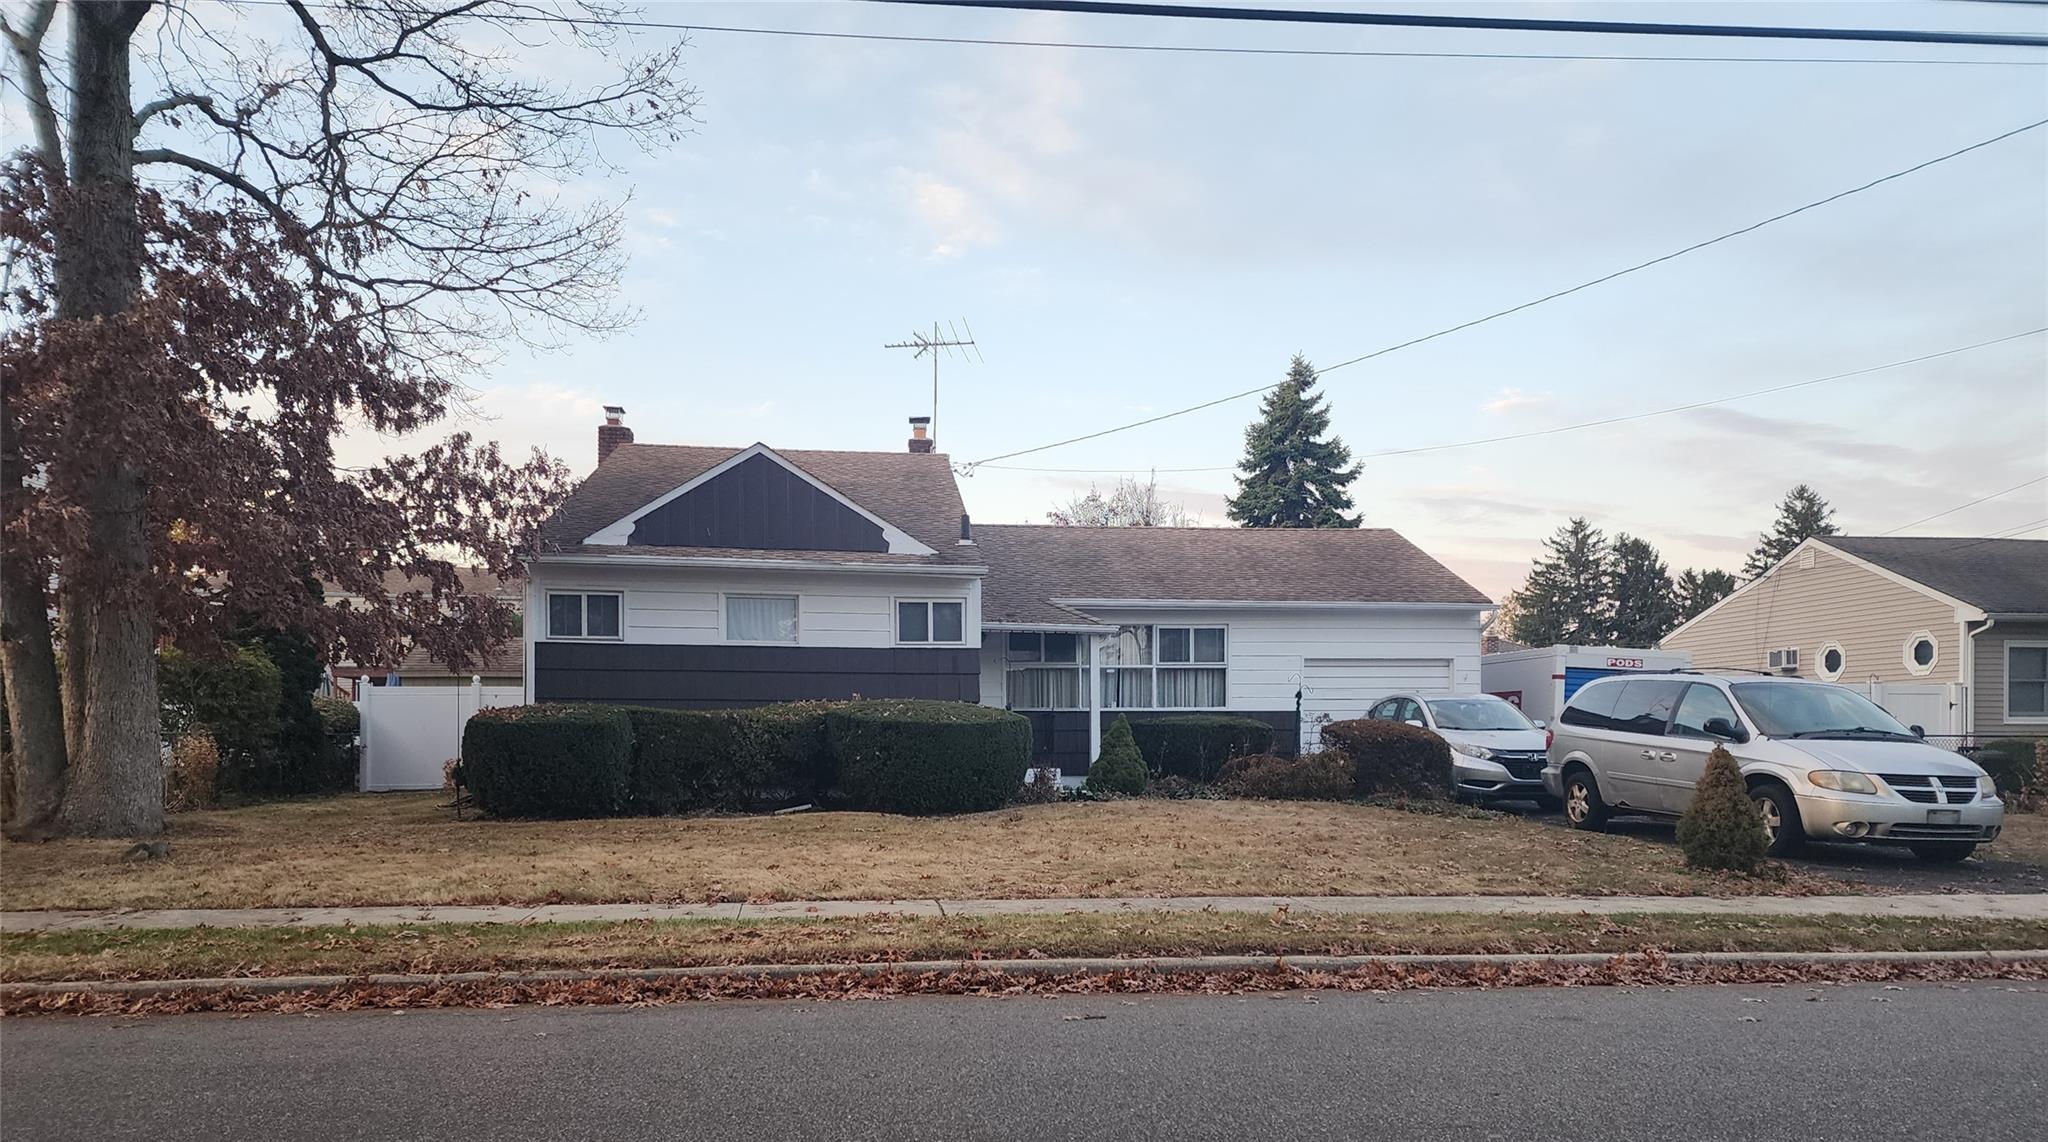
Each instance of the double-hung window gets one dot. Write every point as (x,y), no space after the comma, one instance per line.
(1166,668)
(760,618)
(935,620)
(2026,682)
(583,614)
(1044,671)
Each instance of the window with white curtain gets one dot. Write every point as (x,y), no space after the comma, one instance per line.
(760,618)
(1166,668)
(1044,671)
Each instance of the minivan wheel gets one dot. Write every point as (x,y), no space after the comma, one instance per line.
(1780,814)
(1583,808)
(1944,852)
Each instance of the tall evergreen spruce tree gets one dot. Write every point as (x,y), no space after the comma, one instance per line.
(1569,596)
(1291,475)
(1645,600)
(1698,590)
(1802,514)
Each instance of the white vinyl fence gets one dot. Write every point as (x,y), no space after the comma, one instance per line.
(409,731)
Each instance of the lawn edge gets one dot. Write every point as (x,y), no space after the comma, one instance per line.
(1304,965)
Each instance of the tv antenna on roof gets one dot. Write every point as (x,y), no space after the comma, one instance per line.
(935,344)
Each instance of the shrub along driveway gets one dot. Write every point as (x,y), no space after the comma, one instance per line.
(406,849)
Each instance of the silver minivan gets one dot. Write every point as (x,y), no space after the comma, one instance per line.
(1822,761)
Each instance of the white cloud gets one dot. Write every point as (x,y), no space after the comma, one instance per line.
(1515,400)
(666,219)
(954,217)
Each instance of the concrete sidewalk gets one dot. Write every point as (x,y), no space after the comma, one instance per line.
(1959,906)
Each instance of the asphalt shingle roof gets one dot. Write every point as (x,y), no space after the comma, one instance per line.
(1031,565)
(1999,576)
(913,490)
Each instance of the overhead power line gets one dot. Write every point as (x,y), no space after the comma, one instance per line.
(1494,23)
(1971,504)
(1513,309)
(1206,49)
(1604,421)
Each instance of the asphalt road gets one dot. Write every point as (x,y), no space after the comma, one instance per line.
(1705,1064)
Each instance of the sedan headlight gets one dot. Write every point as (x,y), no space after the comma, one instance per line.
(1987,787)
(1478,751)
(1841,781)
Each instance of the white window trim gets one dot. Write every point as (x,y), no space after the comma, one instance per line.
(1820,662)
(725,636)
(896,626)
(1155,666)
(1906,653)
(548,615)
(2005,680)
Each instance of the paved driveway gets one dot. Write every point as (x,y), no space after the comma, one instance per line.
(1885,865)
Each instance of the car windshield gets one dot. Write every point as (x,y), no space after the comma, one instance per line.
(1803,709)
(1481,713)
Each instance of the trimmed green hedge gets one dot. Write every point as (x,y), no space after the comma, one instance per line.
(1393,758)
(735,760)
(2010,762)
(549,761)
(1195,746)
(339,717)
(909,756)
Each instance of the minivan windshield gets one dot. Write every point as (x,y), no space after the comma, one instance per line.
(1806,710)
(1484,712)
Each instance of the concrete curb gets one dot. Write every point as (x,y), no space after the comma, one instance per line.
(270,985)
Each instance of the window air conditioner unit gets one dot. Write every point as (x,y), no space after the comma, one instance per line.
(1785,661)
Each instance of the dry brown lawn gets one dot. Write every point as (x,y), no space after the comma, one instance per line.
(2024,839)
(406,849)
(217,952)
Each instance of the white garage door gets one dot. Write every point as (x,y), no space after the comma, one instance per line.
(1334,689)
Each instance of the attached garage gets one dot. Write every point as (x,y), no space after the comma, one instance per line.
(1335,689)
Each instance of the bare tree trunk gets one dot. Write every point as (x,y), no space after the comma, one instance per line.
(116,779)
(35,709)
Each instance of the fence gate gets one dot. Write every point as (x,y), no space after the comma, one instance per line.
(409,731)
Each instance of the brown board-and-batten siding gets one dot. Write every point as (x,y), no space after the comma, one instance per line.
(713,676)
(759,505)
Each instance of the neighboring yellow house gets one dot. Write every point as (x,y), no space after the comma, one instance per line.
(1948,634)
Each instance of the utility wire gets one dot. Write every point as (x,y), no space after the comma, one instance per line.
(1549,297)
(1199,49)
(1971,504)
(1493,23)
(1533,433)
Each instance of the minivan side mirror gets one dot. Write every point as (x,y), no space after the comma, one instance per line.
(1725,729)
(1918,731)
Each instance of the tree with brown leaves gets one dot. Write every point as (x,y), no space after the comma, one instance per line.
(353,211)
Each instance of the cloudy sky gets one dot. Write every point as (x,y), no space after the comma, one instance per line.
(1131,232)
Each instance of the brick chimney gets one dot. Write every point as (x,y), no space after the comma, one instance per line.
(921,434)
(613,432)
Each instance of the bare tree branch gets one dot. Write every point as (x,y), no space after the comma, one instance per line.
(172,102)
(27,44)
